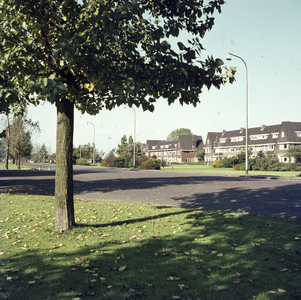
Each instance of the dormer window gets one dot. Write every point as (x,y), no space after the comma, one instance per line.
(298,133)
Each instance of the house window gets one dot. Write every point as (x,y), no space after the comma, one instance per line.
(298,133)
(275,135)
(285,146)
(282,134)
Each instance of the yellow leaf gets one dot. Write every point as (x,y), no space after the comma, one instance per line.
(122,268)
(31,282)
(220,255)
(282,291)
(102,279)
(176,297)
(109,286)
(93,280)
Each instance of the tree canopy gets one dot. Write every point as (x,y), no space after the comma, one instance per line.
(294,151)
(173,136)
(99,54)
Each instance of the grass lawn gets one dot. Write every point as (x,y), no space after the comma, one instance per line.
(227,171)
(136,251)
(13,167)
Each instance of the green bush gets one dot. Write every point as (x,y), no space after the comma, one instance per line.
(152,164)
(236,167)
(82,162)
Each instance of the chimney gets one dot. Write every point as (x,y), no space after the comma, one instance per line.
(223,132)
(241,129)
(262,127)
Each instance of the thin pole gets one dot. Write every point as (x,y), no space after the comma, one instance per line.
(246,110)
(134,156)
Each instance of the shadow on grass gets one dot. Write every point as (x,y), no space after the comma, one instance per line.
(219,256)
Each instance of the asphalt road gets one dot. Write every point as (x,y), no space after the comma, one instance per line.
(280,198)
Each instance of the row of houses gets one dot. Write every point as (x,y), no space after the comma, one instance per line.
(273,139)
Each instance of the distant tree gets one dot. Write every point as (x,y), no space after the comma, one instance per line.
(86,152)
(200,155)
(20,140)
(173,136)
(294,151)
(42,154)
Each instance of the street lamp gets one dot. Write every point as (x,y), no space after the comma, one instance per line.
(134,156)
(93,143)
(229,58)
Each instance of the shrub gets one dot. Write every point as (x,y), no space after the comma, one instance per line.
(152,164)
(107,162)
(214,164)
(236,167)
(82,162)
(117,162)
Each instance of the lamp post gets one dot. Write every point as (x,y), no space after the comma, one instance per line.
(134,156)
(93,143)
(229,58)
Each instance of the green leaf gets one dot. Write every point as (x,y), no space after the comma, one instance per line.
(44,82)
(181,46)
(219,62)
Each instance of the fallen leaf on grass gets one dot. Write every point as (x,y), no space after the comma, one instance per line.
(271,292)
(284,270)
(176,297)
(183,286)
(282,291)
(236,280)
(122,268)
(173,278)
(31,282)
(220,255)
(109,286)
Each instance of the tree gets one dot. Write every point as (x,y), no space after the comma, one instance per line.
(173,136)
(99,54)
(294,151)
(42,154)
(20,140)
(200,155)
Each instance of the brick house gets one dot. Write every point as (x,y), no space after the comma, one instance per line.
(274,139)
(182,150)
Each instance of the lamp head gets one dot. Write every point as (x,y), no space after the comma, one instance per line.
(228,57)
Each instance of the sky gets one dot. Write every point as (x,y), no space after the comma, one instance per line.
(264,33)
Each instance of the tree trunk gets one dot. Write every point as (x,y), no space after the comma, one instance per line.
(64,206)
(6,157)
(19,162)
(7,143)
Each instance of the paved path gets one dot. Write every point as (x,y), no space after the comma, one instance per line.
(188,190)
